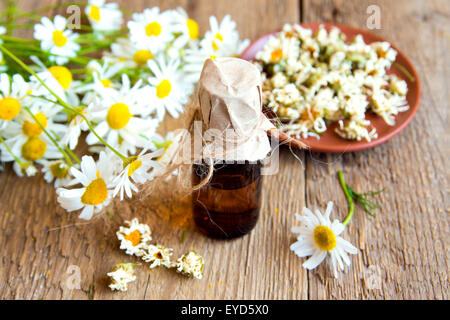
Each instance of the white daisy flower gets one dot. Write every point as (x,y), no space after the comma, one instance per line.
(56,39)
(134,238)
(191,264)
(59,79)
(158,255)
(121,275)
(27,140)
(58,171)
(319,238)
(96,192)
(188,28)
(102,77)
(151,29)
(168,90)
(223,39)
(13,94)
(140,170)
(128,54)
(104,16)
(194,59)
(117,116)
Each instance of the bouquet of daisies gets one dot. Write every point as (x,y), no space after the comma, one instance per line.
(100,82)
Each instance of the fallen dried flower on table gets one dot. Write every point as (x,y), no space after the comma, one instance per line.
(135,240)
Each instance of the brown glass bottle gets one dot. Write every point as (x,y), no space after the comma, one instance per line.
(228,205)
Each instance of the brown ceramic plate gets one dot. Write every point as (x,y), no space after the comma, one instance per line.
(330,141)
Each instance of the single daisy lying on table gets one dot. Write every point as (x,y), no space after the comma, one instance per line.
(319,238)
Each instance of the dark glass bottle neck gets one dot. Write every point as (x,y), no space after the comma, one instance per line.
(229,175)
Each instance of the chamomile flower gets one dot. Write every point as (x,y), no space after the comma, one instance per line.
(222,39)
(140,170)
(96,192)
(319,238)
(134,238)
(117,116)
(14,93)
(168,89)
(59,79)
(26,138)
(187,27)
(104,16)
(191,264)
(121,275)
(194,59)
(56,39)
(58,171)
(158,255)
(128,54)
(102,77)
(151,29)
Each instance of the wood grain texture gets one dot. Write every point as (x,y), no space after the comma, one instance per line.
(405,245)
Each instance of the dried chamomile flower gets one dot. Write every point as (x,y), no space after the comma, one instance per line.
(135,238)
(158,255)
(191,264)
(121,275)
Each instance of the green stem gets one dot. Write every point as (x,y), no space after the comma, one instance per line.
(351,204)
(404,71)
(69,162)
(62,102)
(10,151)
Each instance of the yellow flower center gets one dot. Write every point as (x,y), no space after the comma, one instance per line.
(96,192)
(9,108)
(134,237)
(118,116)
(32,128)
(218,37)
(153,29)
(212,56)
(59,170)
(136,164)
(59,39)
(163,89)
(142,56)
(62,75)
(324,238)
(106,83)
(276,55)
(192,28)
(94,13)
(33,149)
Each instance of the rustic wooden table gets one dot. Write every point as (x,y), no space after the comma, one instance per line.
(403,251)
